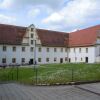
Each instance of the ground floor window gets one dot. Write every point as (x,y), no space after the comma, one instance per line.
(23,60)
(66,58)
(69,59)
(81,59)
(3,60)
(39,59)
(13,60)
(47,59)
(55,59)
(75,58)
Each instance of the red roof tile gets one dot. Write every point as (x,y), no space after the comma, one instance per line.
(13,35)
(52,38)
(84,37)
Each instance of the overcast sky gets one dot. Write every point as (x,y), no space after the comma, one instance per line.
(61,15)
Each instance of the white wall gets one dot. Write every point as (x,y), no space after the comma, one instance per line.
(18,54)
(97,52)
(51,55)
(82,54)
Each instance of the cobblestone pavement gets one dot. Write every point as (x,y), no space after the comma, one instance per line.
(13,91)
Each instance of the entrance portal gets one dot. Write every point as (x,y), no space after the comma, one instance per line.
(31,61)
(61,60)
(86,59)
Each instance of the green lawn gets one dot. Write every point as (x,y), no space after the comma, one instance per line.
(52,73)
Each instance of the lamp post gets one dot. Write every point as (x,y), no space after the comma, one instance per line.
(35,63)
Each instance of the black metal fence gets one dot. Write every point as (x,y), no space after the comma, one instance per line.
(50,75)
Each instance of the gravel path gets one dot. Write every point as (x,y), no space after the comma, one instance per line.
(14,91)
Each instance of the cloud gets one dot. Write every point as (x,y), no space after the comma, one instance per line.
(5,4)
(7,19)
(16,4)
(75,13)
(33,12)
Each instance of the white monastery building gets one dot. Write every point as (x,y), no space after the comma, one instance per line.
(29,45)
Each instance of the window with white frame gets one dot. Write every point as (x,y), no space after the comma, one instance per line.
(14,49)
(39,49)
(47,49)
(32,35)
(55,59)
(4,48)
(3,60)
(23,60)
(13,60)
(39,59)
(23,49)
(86,50)
(32,42)
(32,49)
(47,59)
(61,49)
(55,49)
(79,50)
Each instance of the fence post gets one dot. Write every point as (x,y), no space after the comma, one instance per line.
(72,74)
(17,73)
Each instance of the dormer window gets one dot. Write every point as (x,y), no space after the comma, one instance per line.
(32,42)
(32,29)
(32,35)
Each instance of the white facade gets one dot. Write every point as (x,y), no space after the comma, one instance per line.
(9,54)
(41,57)
(47,55)
(79,54)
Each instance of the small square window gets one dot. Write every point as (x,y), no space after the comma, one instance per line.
(86,50)
(39,59)
(32,29)
(65,49)
(61,49)
(23,49)
(80,50)
(39,49)
(55,59)
(32,49)
(23,60)
(47,59)
(66,58)
(31,35)
(47,49)
(55,49)
(13,60)
(81,59)
(4,48)
(3,60)
(74,50)
(14,49)
(69,50)
(32,42)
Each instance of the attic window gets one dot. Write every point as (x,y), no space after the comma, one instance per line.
(32,29)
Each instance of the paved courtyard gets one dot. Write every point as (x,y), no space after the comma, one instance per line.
(13,91)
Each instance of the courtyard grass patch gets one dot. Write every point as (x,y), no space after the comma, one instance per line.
(52,73)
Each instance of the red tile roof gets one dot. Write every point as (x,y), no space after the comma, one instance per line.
(13,35)
(84,37)
(52,38)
